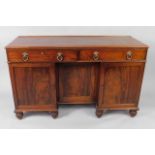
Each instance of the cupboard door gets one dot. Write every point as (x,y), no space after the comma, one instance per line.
(78,83)
(120,85)
(34,86)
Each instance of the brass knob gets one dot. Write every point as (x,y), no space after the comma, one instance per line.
(25,56)
(60,56)
(129,55)
(96,56)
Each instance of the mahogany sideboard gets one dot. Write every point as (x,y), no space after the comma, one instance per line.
(47,71)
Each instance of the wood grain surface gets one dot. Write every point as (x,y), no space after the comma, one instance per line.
(47,71)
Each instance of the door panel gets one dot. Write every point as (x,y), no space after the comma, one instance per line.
(120,85)
(78,83)
(34,84)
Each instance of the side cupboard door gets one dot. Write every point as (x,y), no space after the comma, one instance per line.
(120,85)
(33,86)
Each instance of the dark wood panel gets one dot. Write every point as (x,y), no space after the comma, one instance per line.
(34,85)
(78,83)
(112,54)
(121,84)
(39,42)
(17,55)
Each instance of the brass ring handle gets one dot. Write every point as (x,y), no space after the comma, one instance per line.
(129,55)
(96,56)
(60,56)
(25,56)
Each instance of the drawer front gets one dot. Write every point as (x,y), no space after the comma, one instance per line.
(113,54)
(41,55)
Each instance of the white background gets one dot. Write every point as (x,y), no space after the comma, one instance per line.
(79,116)
(77,13)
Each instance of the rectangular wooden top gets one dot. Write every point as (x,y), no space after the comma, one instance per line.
(75,42)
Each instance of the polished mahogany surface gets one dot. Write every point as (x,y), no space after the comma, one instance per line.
(47,71)
(74,42)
